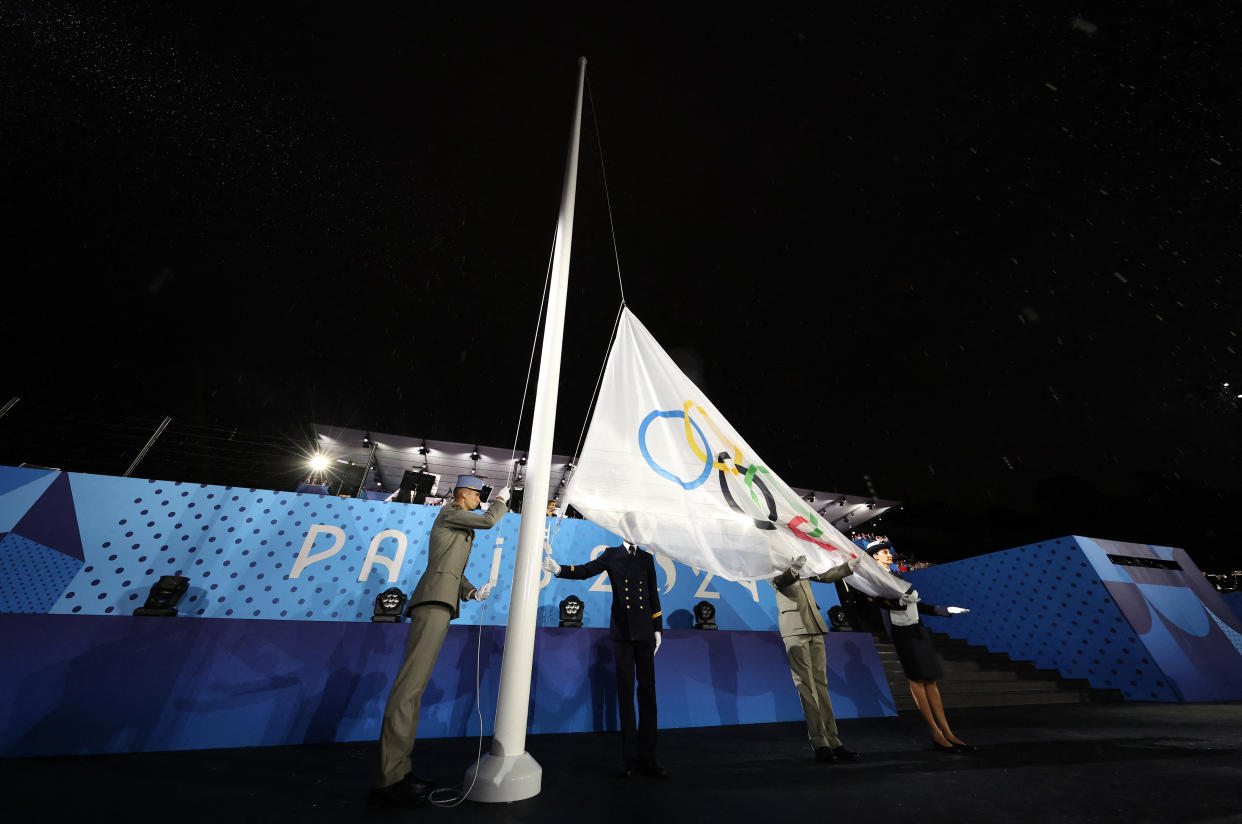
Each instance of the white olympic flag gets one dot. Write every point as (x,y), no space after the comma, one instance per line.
(662,468)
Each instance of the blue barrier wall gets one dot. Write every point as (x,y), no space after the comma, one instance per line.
(93,545)
(90,684)
(1155,634)
(1233,600)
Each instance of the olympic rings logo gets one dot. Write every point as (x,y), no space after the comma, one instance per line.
(661,471)
(729,463)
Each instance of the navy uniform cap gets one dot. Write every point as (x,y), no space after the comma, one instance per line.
(469,482)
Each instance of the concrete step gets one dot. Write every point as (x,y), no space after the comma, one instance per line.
(977,677)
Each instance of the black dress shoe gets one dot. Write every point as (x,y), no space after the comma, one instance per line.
(651,767)
(400,794)
(943,748)
(825,754)
(964,748)
(422,785)
(843,754)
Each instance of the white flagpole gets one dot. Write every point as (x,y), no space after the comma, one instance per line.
(508,772)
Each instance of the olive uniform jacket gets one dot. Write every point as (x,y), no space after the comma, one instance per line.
(452,536)
(636,614)
(799,614)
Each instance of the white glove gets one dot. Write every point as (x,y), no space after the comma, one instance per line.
(483,592)
(956,610)
(658,639)
(852,564)
(503,495)
(798,563)
(551,566)
(910,597)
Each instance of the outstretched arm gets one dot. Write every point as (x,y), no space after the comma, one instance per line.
(581,571)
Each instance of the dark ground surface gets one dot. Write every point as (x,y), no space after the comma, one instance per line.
(1077,763)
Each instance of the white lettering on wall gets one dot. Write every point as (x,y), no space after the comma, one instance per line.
(305,559)
(703,591)
(393,564)
(754,593)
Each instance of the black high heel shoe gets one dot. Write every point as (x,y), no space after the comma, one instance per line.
(964,748)
(943,748)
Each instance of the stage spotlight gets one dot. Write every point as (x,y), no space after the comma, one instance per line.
(522,462)
(165,593)
(704,616)
(474,456)
(839,619)
(423,450)
(319,463)
(809,497)
(388,605)
(871,505)
(366,439)
(572,610)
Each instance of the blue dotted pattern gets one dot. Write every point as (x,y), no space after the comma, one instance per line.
(1234,637)
(1044,603)
(238,547)
(32,576)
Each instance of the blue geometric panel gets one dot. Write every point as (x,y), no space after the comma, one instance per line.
(1233,600)
(52,521)
(264,554)
(1045,603)
(1234,637)
(19,489)
(32,576)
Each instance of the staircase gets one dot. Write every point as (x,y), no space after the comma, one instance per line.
(975,677)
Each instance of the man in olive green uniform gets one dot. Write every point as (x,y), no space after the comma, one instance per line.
(433,604)
(803,629)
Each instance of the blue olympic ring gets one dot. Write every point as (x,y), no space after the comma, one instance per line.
(661,471)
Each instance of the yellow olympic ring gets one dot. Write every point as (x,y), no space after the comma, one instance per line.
(733,447)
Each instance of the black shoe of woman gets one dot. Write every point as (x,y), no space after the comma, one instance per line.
(943,748)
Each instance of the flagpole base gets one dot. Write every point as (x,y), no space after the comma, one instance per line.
(499,779)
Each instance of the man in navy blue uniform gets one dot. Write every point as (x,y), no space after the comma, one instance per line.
(637,626)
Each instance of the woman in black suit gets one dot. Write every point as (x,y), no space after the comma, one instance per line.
(918,657)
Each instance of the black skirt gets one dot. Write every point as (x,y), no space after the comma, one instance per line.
(917,655)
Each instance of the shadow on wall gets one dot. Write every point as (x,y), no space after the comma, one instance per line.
(867,692)
(680,619)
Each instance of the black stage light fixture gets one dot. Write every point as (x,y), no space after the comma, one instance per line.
(366,439)
(423,450)
(809,497)
(388,605)
(474,456)
(839,619)
(704,616)
(165,593)
(415,486)
(572,610)
(522,462)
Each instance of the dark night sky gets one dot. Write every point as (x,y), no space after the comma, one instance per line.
(985,258)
